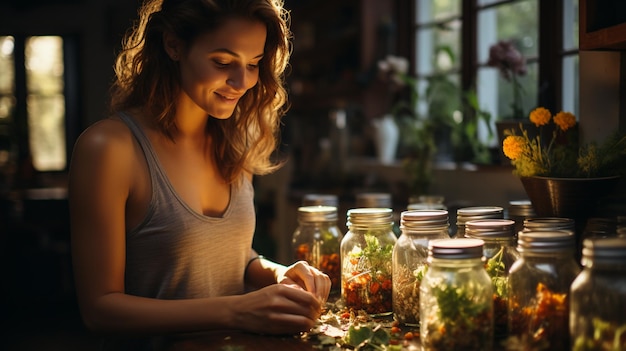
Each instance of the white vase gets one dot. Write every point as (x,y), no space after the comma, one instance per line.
(386,137)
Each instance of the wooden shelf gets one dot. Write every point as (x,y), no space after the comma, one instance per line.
(602,25)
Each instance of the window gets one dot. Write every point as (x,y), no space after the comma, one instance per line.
(545,32)
(569,57)
(32,97)
(7,100)
(438,63)
(516,22)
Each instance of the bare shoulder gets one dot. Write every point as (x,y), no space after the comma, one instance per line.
(105,134)
(104,147)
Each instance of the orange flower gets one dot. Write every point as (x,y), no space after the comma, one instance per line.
(513,146)
(540,116)
(565,120)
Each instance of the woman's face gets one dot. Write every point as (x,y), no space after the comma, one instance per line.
(222,65)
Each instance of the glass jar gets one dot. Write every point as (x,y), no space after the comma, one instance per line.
(465,214)
(598,297)
(549,224)
(373,200)
(427,202)
(320,200)
(366,258)
(539,284)
(456,306)
(317,240)
(599,227)
(519,211)
(410,259)
(500,252)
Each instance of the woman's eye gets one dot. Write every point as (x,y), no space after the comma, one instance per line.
(220,63)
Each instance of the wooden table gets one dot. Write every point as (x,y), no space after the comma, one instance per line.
(240,341)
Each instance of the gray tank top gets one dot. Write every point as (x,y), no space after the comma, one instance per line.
(178,253)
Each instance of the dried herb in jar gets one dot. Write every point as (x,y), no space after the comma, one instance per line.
(496,270)
(406,294)
(461,323)
(542,324)
(606,336)
(369,286)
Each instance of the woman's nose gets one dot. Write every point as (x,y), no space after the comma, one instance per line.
(237,78)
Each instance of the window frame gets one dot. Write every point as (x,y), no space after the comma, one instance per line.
(551,53)
(72,98)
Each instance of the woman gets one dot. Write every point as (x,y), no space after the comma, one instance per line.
(161,197)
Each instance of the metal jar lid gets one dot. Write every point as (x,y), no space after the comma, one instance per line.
(465,214)
(375,200)
(456,248)
(370,216)
(312,214)
(548,223)
(490,228)
(521,208)
(604,250)
(320,200)
(413,219)
(543,242)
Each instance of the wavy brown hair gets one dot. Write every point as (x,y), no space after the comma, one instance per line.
(146,77)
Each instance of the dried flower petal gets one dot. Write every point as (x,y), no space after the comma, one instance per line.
(513,146)
(565,120)
(540,116)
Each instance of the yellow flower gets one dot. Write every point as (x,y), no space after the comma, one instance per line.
(513,146)
(540,116)
(565,120)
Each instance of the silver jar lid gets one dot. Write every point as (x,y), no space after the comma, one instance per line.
(604,250)
(465,214)
(456,248)
(320,200)
(413,219)
(553,241)
(521,208)
(370,216)
(317,213)
(490,228)
(548,223)
(374,200)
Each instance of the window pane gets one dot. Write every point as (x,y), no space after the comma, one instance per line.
(45,102)
(429,11)
(511,21)
(570,84)
(438,49)
(570,24)
(7,77)
(518,23)
(496,93)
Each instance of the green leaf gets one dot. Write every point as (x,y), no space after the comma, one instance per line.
(358,334)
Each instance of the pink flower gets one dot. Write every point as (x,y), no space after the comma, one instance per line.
(504,56)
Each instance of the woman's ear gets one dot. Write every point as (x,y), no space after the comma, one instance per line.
(172,46)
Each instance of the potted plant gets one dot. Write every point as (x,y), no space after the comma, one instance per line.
(562,177)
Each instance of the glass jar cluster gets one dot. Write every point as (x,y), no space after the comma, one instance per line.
(493,284)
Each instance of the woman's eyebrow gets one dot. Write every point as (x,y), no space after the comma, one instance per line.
(230,52)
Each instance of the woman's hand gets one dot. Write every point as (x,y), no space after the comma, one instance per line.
(307,277)
(277,309)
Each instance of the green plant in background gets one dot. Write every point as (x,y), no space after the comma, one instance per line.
(452,118)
